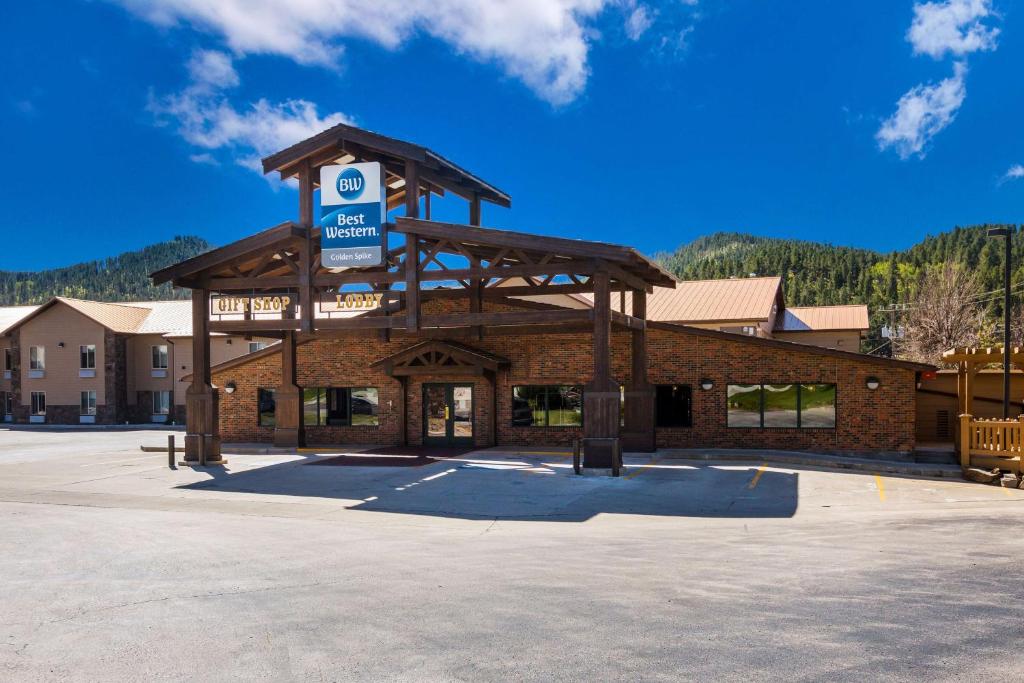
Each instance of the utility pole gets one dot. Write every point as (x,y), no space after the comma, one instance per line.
(1005,232)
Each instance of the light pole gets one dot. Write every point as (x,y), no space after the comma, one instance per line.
(1007,233)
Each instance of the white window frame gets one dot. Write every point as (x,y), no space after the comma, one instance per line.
(87,350)
(161,407)
(87,403)
(8,399)
(259,346)
(37,358)
(34,413)
(8,364)
(165,352)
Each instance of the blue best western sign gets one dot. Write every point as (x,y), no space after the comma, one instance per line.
(352,214)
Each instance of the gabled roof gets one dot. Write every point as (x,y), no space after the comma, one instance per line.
(358,143)
(10,316)
(818,318)
(138,317)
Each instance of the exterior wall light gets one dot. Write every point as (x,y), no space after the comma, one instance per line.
(873,383)
(60,345)
(707,384)
(229,388)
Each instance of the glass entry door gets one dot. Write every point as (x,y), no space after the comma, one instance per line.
(448,414)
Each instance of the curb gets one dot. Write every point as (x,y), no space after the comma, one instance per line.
(830,461)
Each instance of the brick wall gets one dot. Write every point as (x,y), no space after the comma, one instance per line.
(881,420)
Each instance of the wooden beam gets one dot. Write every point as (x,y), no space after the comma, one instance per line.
(227,284)
(230,254)
(474,209)
(247,326)
(497,318)
(305,265)
(412,189)
(412,281)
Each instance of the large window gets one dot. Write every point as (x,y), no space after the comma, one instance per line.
(161,403)
(39,403)
(87,405)
(8,360)
(160,357)
(87,357)
(547,406)
(673,405)
(37,358)
(806,406)
(348,406)
(266,405)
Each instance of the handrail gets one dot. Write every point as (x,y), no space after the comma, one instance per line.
(999,441)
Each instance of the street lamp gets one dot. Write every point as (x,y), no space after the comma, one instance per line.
(1006,232)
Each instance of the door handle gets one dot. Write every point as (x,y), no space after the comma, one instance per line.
(446,415)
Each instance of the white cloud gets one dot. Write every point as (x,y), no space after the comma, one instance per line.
(640,19)
(204,158)
(205,118)
(213,68)
(543,43)
(955,27)
(922,113)
(1015,172)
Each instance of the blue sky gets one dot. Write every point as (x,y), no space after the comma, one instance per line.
(648,123)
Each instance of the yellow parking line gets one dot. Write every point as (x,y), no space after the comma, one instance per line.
(1006,490)
(881,488)
(640,470)
(757,476)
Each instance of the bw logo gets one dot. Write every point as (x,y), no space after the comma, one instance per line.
(350,183)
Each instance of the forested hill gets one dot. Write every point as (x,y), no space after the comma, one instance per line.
(816,273)
(118,278)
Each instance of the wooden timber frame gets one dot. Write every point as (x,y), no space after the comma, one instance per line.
(984,443)
(434,260)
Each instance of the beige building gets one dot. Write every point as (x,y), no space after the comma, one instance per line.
(71,361)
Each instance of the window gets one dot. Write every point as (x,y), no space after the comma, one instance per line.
(673,405)
(88,403)
(160,357)
(806,406)
(39,403)
(781,405)
(257,346)
(350,406)
(87,358)
(818,406)
(266,405)
(161,403)
(9,403)
(36,358)
(8,360)
(547,406)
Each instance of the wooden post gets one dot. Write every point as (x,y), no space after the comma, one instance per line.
(289,431)
(412,189)
(306,249)
(474,209)
(601,395)
(965,440)
(640,395)
(403,419)
(170,451)
(412,282)
(202,429)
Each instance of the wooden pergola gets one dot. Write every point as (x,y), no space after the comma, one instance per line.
(433,260)
(969,361)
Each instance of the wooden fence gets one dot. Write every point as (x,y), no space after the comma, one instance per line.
(991,443)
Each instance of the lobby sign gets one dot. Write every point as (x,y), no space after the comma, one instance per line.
(352,215)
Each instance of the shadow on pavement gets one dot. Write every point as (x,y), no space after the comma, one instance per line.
(517,489)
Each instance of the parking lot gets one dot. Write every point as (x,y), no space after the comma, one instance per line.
(493,565)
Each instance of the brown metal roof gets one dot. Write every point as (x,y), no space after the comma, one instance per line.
(707,301)
(815,318)
(142,317)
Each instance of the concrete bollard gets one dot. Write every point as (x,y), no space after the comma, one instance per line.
(170,452)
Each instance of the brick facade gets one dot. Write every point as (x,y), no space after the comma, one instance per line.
(867,421)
